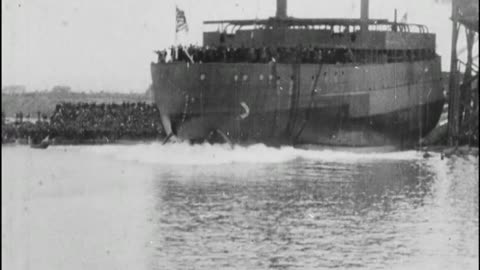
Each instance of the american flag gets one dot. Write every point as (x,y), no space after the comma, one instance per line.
(181,21)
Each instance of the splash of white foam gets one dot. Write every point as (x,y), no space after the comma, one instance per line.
(206,154)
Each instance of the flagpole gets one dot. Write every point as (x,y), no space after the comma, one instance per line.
(184,26)
(175,46)
(175,42)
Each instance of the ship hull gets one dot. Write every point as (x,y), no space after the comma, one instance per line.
(345,105)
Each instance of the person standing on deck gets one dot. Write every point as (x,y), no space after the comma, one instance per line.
(349,56)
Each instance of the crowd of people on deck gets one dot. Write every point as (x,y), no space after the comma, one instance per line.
(299,54)
(88,122)
(265,54)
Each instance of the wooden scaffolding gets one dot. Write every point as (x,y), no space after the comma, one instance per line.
(463,84)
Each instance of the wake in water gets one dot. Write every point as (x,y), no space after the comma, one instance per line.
(206,154)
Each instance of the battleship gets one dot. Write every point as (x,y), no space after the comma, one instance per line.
(388,91)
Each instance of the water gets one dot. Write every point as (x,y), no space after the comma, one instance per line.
(149,206)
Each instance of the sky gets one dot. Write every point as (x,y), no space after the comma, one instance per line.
(107,45)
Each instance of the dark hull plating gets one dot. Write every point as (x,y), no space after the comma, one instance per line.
(348,105)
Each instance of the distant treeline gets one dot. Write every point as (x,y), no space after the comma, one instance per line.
(30,103)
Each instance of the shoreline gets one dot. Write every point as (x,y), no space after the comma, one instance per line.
(63,142)
(448,151)
(443,150)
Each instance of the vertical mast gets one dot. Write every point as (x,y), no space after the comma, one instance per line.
(282,9)
(364,16)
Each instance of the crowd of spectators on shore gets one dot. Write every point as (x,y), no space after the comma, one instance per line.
(88,122)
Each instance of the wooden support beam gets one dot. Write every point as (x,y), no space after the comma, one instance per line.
(454,93)
(465,89)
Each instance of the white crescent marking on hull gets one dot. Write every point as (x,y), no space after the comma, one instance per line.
(247,110)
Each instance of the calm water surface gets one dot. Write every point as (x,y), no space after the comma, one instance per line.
(208,207)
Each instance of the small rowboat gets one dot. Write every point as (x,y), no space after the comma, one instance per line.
(42,145)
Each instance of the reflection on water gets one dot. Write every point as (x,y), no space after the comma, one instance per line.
(294,215)
(209,207)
